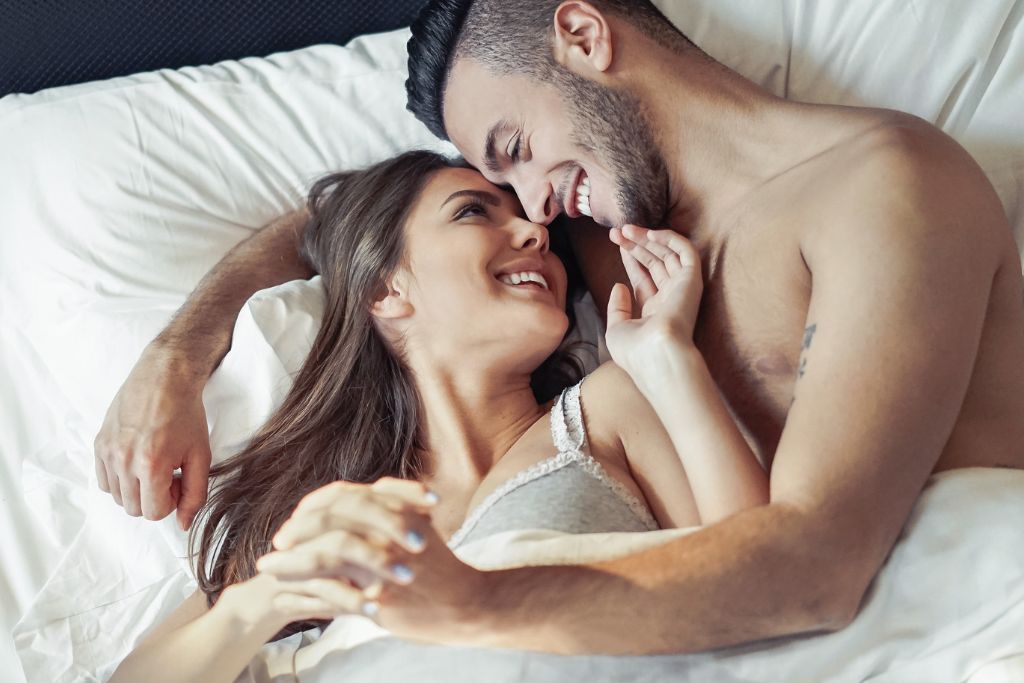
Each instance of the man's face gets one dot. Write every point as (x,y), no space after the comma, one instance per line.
(569,146)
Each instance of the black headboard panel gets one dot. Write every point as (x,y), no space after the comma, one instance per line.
(45,43)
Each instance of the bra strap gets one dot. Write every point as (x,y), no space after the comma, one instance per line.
(567,430)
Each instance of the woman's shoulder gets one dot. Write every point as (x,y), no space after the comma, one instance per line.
(610,400)
(604,382)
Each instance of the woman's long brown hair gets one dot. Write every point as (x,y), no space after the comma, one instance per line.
(353,411)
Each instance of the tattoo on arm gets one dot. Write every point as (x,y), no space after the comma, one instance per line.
(808,338)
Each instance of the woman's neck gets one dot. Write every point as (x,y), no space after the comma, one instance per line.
(470,420)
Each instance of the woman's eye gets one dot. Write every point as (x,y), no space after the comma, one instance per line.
(471,209)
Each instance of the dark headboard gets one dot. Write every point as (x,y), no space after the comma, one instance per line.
(45,43)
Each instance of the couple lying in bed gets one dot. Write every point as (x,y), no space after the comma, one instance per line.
(859,328)
(428,391)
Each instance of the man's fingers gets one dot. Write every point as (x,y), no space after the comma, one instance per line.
(114,483)
(130,494)
(620,305)
(195,479)
(155,488)
(101,474)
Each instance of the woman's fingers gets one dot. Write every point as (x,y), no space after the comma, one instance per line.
(332,554)
(645,238)
(317,598)
(355,508)
(620,305)
(685,253)
(641,281)
(654,265)
(412,492)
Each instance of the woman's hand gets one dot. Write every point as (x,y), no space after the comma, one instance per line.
(380,538)
(664,271)
(266,604)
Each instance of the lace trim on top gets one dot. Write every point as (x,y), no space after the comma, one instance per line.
(570,438)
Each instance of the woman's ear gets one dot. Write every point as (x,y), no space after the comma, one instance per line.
(583,38)
(392,300)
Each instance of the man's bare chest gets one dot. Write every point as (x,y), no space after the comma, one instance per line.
(751,326)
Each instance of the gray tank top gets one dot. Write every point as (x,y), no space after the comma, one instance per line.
(569,492)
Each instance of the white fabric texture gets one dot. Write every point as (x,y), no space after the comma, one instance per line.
(116,197)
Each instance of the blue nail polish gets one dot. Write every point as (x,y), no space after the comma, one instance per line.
(370,608)
(432,497)
(402,573)
(415,539)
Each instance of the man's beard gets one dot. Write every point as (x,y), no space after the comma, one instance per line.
(611,125)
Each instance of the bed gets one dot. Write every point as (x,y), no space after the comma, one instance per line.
(116,196)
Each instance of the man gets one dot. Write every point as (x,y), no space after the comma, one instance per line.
(862,311)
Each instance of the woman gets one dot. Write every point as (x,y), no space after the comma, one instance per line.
(423,400)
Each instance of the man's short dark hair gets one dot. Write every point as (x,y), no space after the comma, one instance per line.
(508,36)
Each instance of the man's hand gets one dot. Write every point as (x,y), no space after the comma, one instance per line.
(155,425)
(380,537)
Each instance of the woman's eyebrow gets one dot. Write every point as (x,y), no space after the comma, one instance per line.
(480,195)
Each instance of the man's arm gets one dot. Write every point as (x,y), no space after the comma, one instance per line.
(156,422)
(199,335)
(898,304)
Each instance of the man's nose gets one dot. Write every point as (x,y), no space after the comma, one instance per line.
(538,200)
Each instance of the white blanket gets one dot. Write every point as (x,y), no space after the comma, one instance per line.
(116,197)
(948,602)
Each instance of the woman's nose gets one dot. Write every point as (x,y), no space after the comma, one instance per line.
(530,235)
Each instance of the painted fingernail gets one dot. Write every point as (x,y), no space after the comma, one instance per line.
(415,540)
(402,573)
(370,608)
(432,497)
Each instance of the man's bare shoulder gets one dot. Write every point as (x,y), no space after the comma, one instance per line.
(905,173)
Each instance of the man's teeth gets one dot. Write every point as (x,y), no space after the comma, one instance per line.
(519,278)
(583,197)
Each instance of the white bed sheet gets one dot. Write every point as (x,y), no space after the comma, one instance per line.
(116,197)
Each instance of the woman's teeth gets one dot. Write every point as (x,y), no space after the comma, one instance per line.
(583,197)
(520,278)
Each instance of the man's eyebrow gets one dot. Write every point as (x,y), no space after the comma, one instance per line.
(490,153)
(480,195)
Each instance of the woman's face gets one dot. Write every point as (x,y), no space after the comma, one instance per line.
(482,279)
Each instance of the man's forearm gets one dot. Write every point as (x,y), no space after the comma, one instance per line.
(200,332)
(760,574)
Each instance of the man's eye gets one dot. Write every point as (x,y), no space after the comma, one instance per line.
(516,149)
(471,209)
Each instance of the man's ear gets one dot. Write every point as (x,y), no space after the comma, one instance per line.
(583,38)
(392,300)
